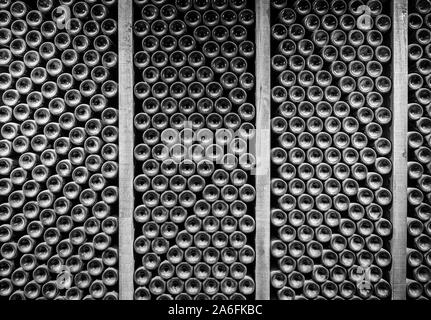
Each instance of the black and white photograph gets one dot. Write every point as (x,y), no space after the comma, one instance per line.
(239,151)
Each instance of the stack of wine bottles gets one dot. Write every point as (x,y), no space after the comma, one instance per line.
(194,120)
(419,152)
(330,102)
(58,150)
(331,154)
